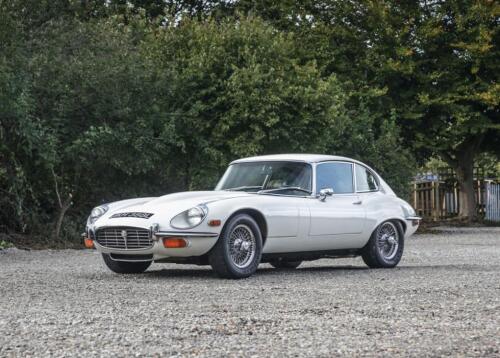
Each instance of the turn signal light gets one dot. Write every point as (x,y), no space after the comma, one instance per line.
(214,223)
(89,243)
(174,242)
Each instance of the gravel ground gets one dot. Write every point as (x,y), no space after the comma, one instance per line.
(443,299)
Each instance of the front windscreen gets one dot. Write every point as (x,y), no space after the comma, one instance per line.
(287,178)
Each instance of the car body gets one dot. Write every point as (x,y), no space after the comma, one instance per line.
(291,207)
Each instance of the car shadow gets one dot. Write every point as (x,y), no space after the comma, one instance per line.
(207,272)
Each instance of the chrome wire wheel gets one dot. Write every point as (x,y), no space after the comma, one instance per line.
(388,241)
(242,246)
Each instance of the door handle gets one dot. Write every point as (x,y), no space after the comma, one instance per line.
(359,202)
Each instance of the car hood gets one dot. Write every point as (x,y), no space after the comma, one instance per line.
(167,206)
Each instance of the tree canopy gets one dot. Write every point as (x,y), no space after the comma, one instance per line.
(103,100)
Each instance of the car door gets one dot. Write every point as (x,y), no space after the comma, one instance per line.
(337,221)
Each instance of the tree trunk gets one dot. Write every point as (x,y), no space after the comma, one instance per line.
(60,218)
(467,197)
(462,161)
(63,208)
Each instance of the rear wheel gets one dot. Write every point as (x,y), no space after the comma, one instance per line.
(238,251)
(385,247)
(125,266)
(284,264)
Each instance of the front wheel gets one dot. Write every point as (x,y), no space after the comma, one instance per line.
(125,266)
(238,251)
(385,247)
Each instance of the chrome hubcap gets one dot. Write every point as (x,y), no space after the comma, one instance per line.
(388,241)
(242,246)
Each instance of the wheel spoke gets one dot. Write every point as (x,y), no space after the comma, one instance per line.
(388,241)
(242,246)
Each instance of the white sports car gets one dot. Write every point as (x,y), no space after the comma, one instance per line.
(280,209)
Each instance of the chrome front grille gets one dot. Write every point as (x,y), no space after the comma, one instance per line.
(125,238)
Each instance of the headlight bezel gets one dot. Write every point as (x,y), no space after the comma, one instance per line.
(97,212)
(187,219)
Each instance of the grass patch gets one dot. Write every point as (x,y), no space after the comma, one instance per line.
(5,244)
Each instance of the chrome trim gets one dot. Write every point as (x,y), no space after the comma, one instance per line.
(336,161)
(203,208)
(113,241)
(130,260)
(186,234)
(413,218)
(288,196)
(153,229)
(373,175)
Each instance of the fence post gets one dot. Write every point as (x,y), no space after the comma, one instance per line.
(415,195)
(433,202)
(488,207)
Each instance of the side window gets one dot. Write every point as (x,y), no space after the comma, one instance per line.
(337,176)
(365,181)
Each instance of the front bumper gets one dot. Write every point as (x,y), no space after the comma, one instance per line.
(412,223)
(199,243)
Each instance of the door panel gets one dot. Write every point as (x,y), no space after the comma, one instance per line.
(337,222)
(287,221)
(337,215)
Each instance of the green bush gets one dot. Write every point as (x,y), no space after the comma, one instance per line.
(100,108)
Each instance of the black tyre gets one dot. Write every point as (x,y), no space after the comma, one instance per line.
(238,251)
(385,247)
(284,264)
(125,266)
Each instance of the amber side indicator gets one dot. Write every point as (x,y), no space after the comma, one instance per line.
(214,223)
(89,243)
(174,242)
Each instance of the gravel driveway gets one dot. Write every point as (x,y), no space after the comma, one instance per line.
(443,299)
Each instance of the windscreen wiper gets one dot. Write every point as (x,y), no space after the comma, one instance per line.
(297,188)
(245,187)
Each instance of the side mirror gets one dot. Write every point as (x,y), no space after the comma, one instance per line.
(323,193)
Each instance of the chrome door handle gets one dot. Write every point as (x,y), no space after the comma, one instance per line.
(359,202)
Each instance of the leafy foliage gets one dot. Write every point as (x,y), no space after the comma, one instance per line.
(106,100)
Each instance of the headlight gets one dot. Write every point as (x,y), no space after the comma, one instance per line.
(97,212)
(190,218)
(408,210)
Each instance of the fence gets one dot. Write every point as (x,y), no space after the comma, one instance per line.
(492,202)
(435,199)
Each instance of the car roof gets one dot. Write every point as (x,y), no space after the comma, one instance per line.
(306,158)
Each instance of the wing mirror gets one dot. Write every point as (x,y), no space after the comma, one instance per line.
(323,193)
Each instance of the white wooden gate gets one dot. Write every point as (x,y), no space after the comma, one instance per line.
(492,202)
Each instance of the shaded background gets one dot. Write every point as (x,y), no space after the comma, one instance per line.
(105,100)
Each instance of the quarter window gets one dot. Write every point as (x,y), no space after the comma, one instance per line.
(365,181)
(337,176)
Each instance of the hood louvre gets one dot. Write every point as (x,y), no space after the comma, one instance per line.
(138,215)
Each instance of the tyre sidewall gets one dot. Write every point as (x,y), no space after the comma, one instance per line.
(234,270)
(395,260)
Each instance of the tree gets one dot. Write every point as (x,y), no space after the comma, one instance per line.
(238,89)
(445,74)
(19,134)
(97,99)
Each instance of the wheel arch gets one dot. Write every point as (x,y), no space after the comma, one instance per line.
(399,220)
(257,216)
